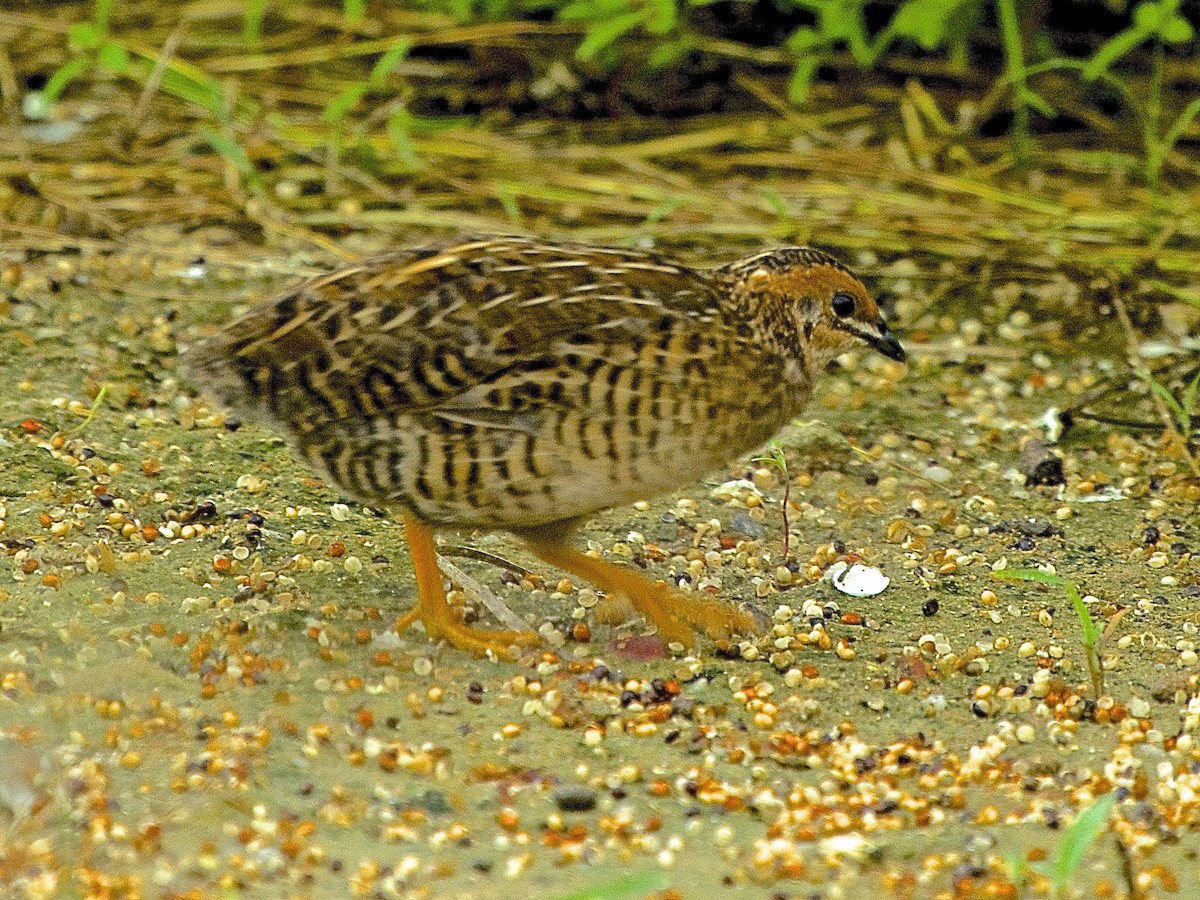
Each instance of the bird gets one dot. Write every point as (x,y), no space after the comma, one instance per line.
(497,382)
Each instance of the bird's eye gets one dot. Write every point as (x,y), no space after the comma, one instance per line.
(843,305)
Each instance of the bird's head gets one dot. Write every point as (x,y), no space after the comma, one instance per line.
(828,304)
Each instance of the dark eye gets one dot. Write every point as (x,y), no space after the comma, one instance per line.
(843,305)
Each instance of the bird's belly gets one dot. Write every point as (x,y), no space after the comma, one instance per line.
(463,470)
(552,478)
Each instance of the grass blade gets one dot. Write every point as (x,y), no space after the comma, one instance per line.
(627,886)
(1079,837)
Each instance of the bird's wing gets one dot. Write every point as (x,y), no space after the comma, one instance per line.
(477,330)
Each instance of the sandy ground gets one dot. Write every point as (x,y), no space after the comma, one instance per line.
(202,695)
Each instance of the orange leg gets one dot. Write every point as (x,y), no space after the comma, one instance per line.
(435,613)
(672,611)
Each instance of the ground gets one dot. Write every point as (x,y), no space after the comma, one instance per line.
(203,693)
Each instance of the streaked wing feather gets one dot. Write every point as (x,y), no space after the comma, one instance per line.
(420,330)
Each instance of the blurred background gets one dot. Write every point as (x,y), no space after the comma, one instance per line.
(914,125)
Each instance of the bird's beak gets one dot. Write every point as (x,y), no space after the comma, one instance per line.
(885,342)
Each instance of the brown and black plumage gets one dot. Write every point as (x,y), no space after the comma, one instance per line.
(517,384)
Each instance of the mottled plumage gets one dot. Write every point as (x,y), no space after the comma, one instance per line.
(511,383)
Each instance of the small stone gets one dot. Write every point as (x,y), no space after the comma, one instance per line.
(575,798)
(1039,464)
(743,524)
(1036,528)
(938,474)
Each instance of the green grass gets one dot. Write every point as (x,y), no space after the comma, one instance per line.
(1130,62)
(627,887)
(1184,408)
(775,457)
(1091,633)
(1072,850)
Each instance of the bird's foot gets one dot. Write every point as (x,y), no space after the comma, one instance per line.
(441,625)
(675,614)
(434,612)
(715,618)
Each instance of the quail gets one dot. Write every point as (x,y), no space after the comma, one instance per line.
(509,383)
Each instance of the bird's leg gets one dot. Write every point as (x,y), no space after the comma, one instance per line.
(672,611)
(434,611)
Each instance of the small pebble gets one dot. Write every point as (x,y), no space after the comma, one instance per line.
(575,798)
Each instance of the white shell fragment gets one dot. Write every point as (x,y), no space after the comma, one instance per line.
(737,488)
(857,580)
(1053,423)
(853,846)
(1106,494)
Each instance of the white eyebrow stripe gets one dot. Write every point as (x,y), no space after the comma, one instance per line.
(749,260)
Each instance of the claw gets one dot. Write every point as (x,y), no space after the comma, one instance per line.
(674,613)
(434,612)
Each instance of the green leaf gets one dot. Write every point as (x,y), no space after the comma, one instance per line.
(1181,123)
(661,17)
(503,9)
(925,21)
(399,129)
(1079,837)
(460,10)
(252,19)
(337,109)
(114,57)
(509,202)
(434,124)
(63,76)
(232,151)
(390,59)
(1036,101)
(1149,16)
(803,39)
(774,456)
(664,55)
(802,79)
(1177,409)
(607,33)
(1031,575)
(103,14)
(1177,30)
(84,36)
(592,10)
(1090,632)
(1113,49)
(354,10)
(841,23)
(627,886)
(664,209)
(778,205)
(1014,862)
(206,94)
